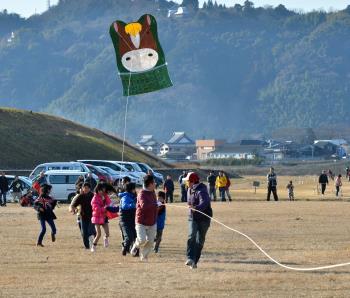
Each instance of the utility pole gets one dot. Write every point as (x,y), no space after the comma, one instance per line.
(48,4)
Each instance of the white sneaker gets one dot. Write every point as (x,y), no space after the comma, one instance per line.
(189,262)
(91,241)
(93,248)
(133,250)
(105,242)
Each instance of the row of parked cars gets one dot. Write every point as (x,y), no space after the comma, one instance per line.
(63,175)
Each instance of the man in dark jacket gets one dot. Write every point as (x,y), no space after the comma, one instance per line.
(197,199)
(211,179)
(323,181)
(169,189)
(84,201)
(17,189)
(272,184)
(4,188)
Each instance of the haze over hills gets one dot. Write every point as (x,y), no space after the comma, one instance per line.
(236,71)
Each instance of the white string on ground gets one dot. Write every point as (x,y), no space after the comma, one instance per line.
(262,250)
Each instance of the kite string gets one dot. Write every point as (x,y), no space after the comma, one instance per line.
(261,249)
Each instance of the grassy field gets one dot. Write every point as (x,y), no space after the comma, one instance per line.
(308,232)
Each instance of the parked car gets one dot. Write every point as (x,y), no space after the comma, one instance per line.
(63,183)
(63,166)
(114,165)
(117,176)
(134,168)
(100,173)
(158,176)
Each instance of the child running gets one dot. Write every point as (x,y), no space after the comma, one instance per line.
(290,188)
(160,220)
(338,185)
(99,203)
(146,218)
(127,209)
(45,205)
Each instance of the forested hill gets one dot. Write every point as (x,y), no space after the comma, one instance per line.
(238,70)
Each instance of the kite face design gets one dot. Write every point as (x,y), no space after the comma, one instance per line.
(140,58)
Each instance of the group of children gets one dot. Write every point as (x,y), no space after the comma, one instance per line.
(141,216)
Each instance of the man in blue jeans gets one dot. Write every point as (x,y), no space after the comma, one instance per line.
(197,199)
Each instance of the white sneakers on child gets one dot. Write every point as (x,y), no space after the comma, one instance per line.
(105,242)
(93,248)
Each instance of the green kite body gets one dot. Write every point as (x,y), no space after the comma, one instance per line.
(140,57)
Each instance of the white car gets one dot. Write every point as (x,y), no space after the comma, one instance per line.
(63,184)
(26,183)
(133,167)
(116,166)
(60,166)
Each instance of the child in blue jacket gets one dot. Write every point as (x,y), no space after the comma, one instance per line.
(160,220)
(127,209)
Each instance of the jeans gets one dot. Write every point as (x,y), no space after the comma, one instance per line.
(323,187)
(129,233)
(196,238)
(272,189)
(158,240)
(222,191)
(43,228)
(169,196)
(87,230)
(212,192)
(183,194)
(337,188)
(3,197)
(145,239)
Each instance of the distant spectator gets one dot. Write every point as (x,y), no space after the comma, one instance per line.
(211,179)
(347,170)
(338,184)
(323,181)
(4,188)
(169,189)
(290,188)
(221,184)
(183,186)
(228,184)
(17,189)
(89,179)
(331,174)
(272,184)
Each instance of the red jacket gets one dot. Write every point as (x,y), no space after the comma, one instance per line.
(146,208)
(99,212)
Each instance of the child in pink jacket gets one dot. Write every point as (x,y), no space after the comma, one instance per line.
(99,203)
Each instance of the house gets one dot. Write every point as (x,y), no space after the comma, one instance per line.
(179,143)
(235,152)
(148,143)
(204,147)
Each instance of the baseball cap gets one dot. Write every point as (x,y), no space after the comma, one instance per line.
(192,177)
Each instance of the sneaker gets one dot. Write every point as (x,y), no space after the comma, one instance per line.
(39,245)
(124,251)
(189,262)
(105,242)
(133,251)
(155,250)
(143,258)
(194,266)
(53,237)
(93,248)
(91,241)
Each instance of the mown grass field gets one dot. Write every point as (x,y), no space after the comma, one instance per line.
(310,231)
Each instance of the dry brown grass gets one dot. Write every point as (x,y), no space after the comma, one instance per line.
(301,233)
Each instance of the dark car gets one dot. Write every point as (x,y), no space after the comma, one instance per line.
(100,173)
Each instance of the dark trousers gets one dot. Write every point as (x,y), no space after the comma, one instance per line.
(183,194)
(158,239)
(129,234)
(43,228)
(87,230)
(323,188)
(169,196)
(212,192)
(337,188)
(196,238)
(222,191)
(272,189)
(3,198)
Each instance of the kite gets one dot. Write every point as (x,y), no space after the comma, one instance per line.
(140,57)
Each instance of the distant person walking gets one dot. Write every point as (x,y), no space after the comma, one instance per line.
(169,189)
(44,205)
(221,184)
(272,184)
(228,184)
(197,199)
(183,186)
(323,181)
(338,184)
(211,179)
(347,170)
(4,188)
(146,218)
(290,188)
(17,189)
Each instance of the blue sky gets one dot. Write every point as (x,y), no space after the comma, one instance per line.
(28,7)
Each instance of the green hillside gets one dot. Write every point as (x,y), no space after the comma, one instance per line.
(28,139)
